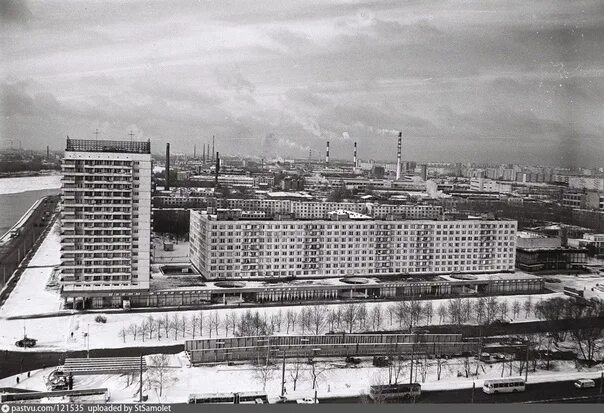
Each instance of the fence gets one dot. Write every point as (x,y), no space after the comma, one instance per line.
(251,348)
(103,365)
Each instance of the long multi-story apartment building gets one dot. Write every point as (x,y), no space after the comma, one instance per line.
(106,215)
(321,209)
(225,248)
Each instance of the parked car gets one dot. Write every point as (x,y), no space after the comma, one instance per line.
(499,321)
(584,384)
(353,360)
(381,361)
(552,280)
(307,400)
(26,342)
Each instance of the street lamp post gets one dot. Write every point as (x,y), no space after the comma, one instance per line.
(88,341)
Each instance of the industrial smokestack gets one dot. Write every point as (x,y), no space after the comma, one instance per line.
(195,151)
(47,153)
(167,186)
(217,170)
(203,153)
(213,147)
(355,155)
(398,156)
(327,154)
(424,172)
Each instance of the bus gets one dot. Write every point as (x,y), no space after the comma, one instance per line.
(395,391)
(507,385)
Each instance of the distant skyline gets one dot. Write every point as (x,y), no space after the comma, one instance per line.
(508,81)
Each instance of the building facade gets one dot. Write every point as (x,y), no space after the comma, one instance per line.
(105,215)
(321,210)
(221,248)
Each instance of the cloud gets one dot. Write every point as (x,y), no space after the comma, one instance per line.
(15,12)
(500,80)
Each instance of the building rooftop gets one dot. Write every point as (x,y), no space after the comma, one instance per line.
(89,145)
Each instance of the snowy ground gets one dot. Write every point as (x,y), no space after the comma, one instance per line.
(334,379)
(54,333)
(31,296)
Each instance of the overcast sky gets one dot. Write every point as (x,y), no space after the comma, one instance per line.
(501,81)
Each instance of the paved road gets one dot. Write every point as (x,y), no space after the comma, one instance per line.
(14,362)
(553,392)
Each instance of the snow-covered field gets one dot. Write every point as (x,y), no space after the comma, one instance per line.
(29,183)
(333,379)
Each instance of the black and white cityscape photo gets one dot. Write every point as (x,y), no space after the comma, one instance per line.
(300,202)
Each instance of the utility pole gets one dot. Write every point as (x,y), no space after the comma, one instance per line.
(601,386)
(283,376)
(527,362)
(473,389)
(88,341)
(141,381)
(412,356)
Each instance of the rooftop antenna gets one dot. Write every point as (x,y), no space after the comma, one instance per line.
(96,134)
(131,135)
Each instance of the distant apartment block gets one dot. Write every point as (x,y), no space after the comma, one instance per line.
(106,215)
(321,210)
(488,185)
(225,248)
(586,182)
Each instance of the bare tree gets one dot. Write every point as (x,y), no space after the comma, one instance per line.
(290,319)
(376,318)
(480,309)
(294,371)
(331,320)
(338,315)
(304,319)
(391,311)
(504,310)
(216,321)
(144,327)
(279,320)
(428,312)
(263,371)
(316,371)
(175,324)
(528,306)
(158,371)
(516,309)
(415,310)
(151,325)
(123,333)
(442,313)
(194,321)
(317,318)
(401,313)
(492,308)
(184,322)
(166,324)
(362,315)
(440,363)
(350,316)
(133,328)
(397,367)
